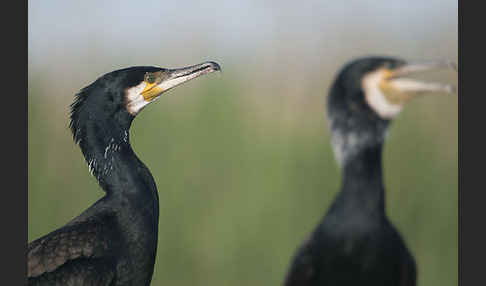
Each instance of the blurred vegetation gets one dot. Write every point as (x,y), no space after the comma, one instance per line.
(245,174)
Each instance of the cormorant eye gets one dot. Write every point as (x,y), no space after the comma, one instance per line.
(149,77)
(387,65)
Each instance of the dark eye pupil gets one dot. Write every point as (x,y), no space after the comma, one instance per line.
(150,78)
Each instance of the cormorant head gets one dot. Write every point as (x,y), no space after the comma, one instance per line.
(369,92)
(108,105)
(102,112)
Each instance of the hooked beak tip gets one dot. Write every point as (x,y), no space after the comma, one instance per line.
(215,66)
(451,89)
(453,66)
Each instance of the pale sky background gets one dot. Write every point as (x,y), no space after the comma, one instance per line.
(74,40)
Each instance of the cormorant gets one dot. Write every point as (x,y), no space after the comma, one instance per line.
(355,243)
(114,241)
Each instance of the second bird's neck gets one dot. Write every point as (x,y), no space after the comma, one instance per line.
(362,181)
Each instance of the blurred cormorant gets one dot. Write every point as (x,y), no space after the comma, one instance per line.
(355,243)
(114,241)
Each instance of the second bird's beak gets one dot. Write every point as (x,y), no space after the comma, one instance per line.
(161,81)
(399,88)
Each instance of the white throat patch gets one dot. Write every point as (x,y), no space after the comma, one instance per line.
(347,144)
(375,97)
(134,99)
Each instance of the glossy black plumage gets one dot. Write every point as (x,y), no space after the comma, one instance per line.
(355,243)
(114,241)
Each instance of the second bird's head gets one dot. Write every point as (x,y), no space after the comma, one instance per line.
(111,102)
(368,93)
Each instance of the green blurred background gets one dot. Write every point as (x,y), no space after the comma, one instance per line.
(242,160)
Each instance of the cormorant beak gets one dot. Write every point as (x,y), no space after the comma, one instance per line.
(387,90)
(161,81)
(396,80)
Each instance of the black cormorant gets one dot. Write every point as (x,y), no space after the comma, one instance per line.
(355,243)
(114,241)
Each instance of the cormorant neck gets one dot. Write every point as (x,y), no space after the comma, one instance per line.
(362,180)
(106,148)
